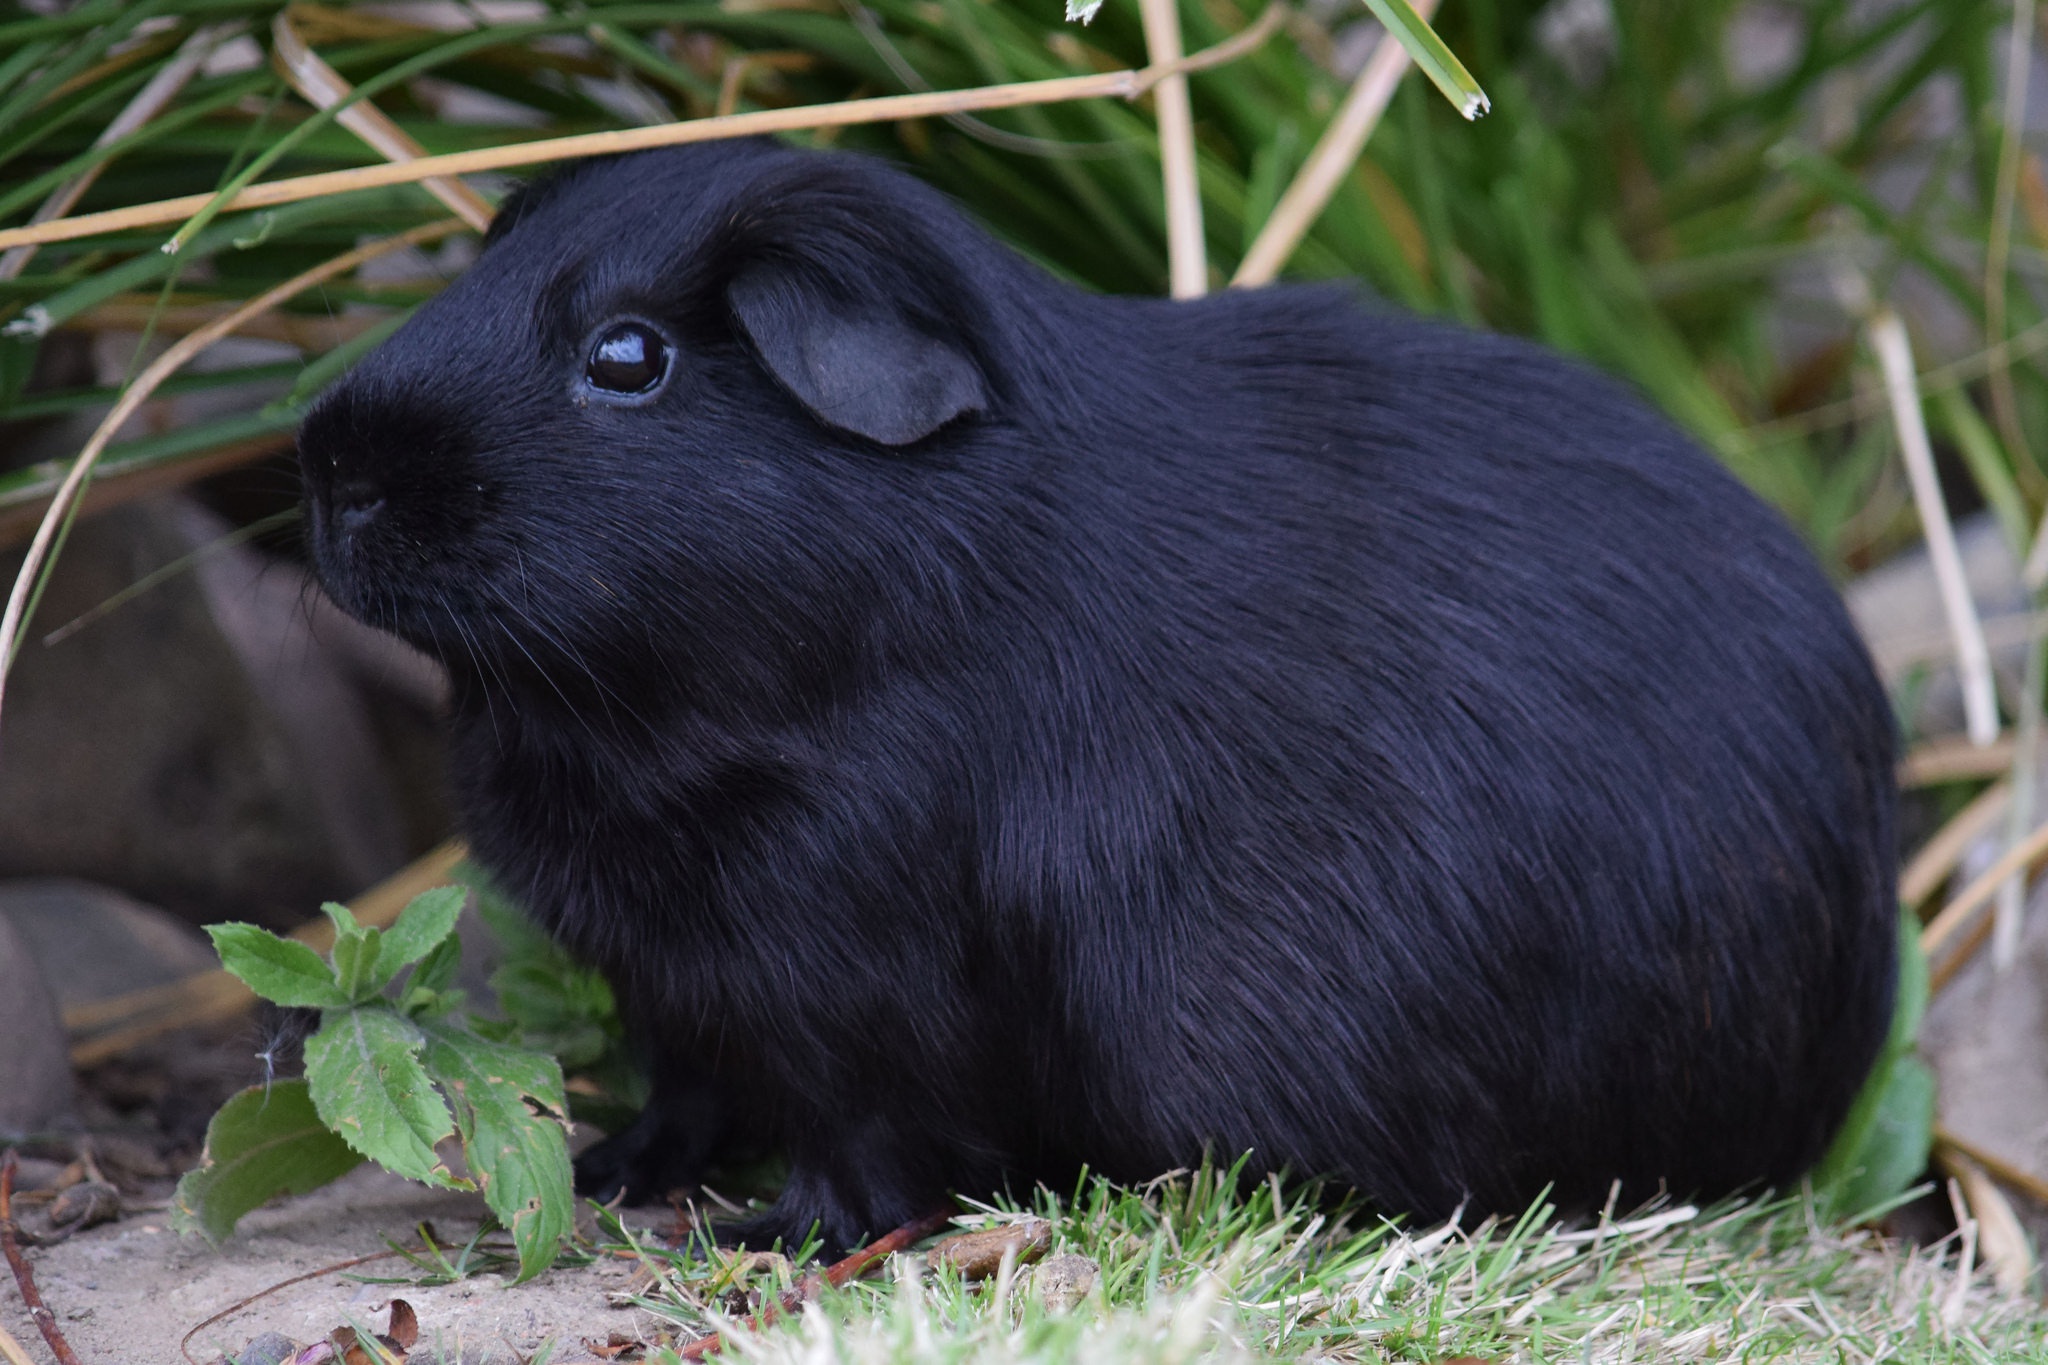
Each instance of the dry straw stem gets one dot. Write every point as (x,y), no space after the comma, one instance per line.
(1957,927)
(1934,862)
(1187,259)
(149,101)
(1954,758)
(323,88)
(12,1351)
(1128,84)
(1973,658)
(172,360)
(2001,1242)
(141,1015)
(1331,159)
(2001,1170)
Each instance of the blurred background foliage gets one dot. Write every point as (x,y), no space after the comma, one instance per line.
(1673,189)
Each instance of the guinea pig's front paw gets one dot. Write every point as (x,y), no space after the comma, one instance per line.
(643,1162)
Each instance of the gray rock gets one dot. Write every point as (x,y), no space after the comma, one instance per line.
(94,943)
(35,1072)
(198,747)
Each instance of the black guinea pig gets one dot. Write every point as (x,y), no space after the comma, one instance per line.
(982,728)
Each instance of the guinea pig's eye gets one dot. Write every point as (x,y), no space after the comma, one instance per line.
(629,358)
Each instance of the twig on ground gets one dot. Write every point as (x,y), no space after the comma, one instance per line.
(24,1277)
(1127,84)
(1332,158)
(837,1275)
(185,1342)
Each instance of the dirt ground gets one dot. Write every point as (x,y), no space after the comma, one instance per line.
(126,1292)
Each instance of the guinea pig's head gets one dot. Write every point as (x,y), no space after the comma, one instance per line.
(694,415)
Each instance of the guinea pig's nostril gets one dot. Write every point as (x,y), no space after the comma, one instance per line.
(357,507)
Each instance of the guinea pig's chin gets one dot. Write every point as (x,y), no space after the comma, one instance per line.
(427,623)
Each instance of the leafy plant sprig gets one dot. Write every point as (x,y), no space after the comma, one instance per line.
(394,1071)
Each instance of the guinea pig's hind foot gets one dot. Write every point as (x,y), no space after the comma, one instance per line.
(812,1205)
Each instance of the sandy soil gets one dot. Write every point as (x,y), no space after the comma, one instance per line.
(126,1292)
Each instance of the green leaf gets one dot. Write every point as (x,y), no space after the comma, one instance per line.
(513,1114)
(261,1144)
(1438,62)
(1884,1142)
(281,970)
(345,924)
(429,988)
(1893,1151)
(422,925)
(355,964)
(368,1085)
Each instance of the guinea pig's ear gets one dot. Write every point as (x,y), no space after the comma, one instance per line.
(858,364)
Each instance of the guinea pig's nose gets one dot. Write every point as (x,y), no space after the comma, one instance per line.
(356,505)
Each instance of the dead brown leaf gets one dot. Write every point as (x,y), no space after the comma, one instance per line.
(977,1255)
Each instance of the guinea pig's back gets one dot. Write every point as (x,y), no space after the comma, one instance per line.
(1585,776)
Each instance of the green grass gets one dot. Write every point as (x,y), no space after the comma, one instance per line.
(1191,1269)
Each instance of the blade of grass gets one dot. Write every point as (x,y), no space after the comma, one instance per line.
(1409,26)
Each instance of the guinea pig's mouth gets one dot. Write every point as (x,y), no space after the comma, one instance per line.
(391,586)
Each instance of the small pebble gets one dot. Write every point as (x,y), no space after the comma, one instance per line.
(1062,1282)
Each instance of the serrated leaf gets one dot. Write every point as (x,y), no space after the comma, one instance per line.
(1436,61)
(345,922)
(513,1115)
(1082,11)
(260,1145)
(356,964)
(425,922)
(439,966)
(281,970)
(368,1085)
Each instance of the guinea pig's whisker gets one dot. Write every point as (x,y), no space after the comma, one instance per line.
(606,693)
(484,670)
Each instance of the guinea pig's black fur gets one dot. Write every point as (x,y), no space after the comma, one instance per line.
(982,728)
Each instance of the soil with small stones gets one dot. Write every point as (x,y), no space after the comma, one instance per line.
(127,1292)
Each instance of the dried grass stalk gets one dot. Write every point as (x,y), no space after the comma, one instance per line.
(1329,161)
(1187,258)
(322,87)
(1128,84)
